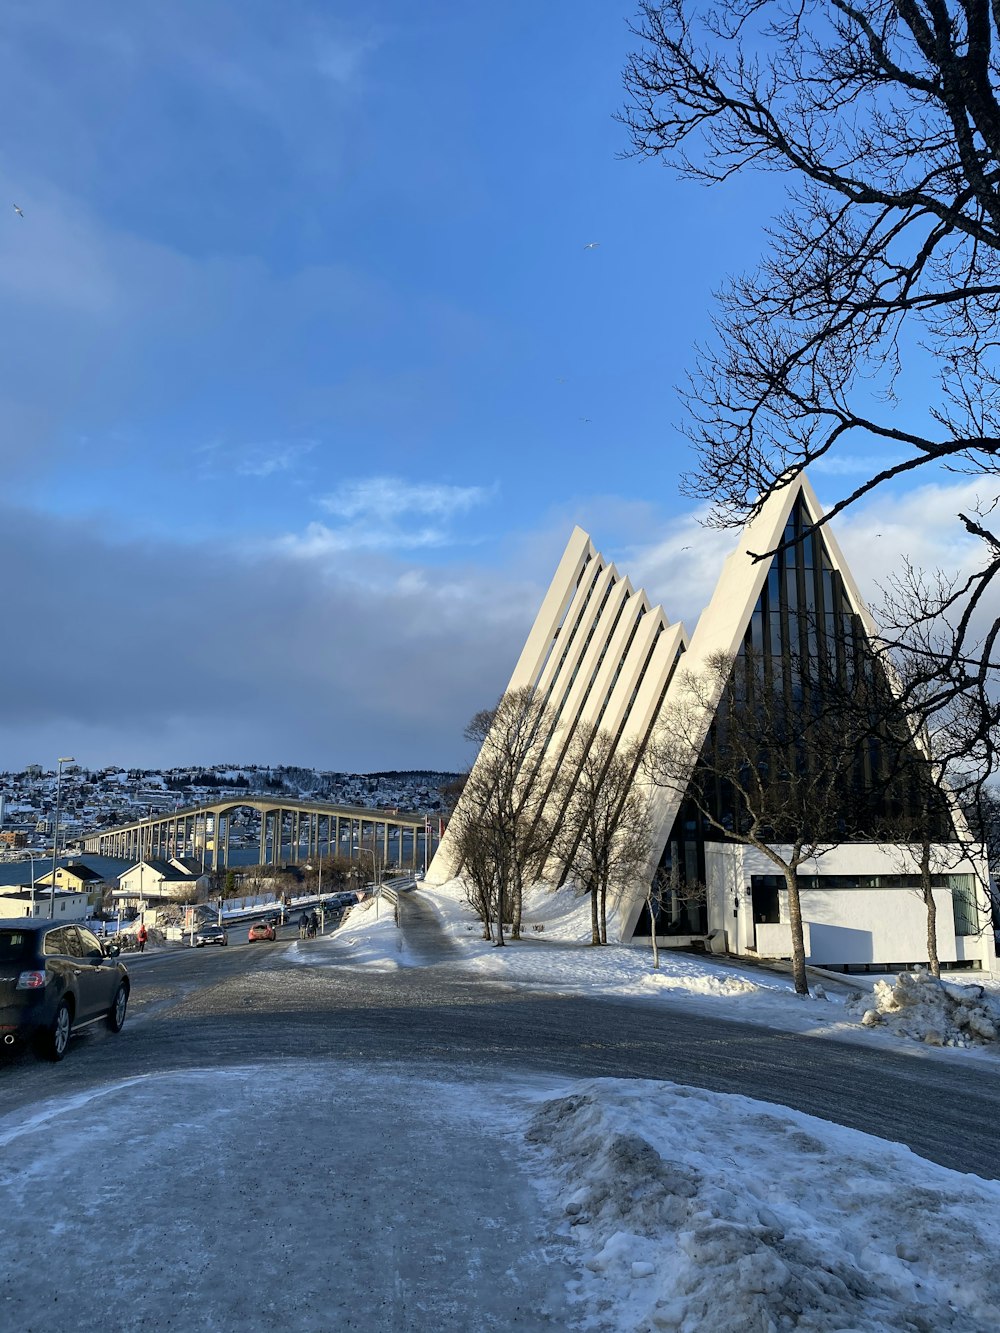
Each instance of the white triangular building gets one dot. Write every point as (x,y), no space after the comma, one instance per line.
(599,654)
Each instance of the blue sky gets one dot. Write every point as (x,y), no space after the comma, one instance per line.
(306,372)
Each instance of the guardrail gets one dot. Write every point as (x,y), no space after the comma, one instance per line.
(391,890)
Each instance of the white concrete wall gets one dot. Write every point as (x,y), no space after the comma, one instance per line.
(875,925)
(68,906)
(845,925)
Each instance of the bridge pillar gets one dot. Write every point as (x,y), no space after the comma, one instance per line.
(225,846)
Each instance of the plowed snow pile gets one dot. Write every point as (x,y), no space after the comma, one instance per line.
(939,1013)
(694,1211)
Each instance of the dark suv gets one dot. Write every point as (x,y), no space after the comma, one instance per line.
(54,978)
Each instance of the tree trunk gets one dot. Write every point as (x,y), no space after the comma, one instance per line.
(795,921)
(595,929)
(650,903)
(515,920)
(927,891)
(604,913)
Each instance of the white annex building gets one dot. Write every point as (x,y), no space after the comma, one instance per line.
(599,654)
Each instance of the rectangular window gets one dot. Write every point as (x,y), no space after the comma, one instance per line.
(963,904)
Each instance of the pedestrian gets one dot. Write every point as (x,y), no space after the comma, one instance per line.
(141,935)
(303,926)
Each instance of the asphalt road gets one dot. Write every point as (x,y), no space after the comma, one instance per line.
(249,1004)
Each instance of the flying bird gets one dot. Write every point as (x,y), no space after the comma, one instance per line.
(18,211)
(592,245)
(685,548)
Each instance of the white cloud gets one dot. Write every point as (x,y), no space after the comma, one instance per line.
(848,465)
(382,497)
(267,459)
(319,542)
(340,60)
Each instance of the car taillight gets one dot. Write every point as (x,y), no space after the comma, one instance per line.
(32,980)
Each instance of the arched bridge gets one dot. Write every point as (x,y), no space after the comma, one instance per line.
(289,831)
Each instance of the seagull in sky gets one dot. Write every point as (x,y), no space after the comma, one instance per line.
(592,245)
(18,211)
(685,548)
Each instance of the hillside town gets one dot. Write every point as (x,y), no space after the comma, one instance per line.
(94,799)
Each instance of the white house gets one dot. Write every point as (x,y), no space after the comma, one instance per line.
(154,879)
(17,902)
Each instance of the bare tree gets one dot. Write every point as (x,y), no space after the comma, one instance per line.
(501,834)
(762,768)
(451,791)
(884,265)
(605,833)
(939,769)
(667,891)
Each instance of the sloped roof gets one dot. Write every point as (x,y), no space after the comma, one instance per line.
(163,869)
(599,655)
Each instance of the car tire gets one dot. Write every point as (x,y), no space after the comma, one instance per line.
(116,1014)
(55,1040)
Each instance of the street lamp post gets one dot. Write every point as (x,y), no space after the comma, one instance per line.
(55,833)
(319,893)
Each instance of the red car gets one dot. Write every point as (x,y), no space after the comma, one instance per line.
(261,930)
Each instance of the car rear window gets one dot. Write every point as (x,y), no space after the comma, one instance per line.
(16,945)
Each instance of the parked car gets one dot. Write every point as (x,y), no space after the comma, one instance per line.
(55,980)
(261,930)
(210,935)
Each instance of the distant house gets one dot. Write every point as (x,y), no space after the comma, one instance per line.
(190,865)
(156,879)
(74,878)
(16,902)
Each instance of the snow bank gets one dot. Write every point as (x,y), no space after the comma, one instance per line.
(367,935)
(555,949)
(939,1013)
(694,1210)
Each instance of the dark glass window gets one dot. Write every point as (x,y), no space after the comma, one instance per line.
(963,904)
(805,643)
(57,942)
(15,945)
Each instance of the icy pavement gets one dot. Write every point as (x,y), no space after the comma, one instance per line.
(317,1197)
(290,1196)
(555,952)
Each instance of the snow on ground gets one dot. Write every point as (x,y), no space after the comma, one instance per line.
(695,1211)
(312,1196)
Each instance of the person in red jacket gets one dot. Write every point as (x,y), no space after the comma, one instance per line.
(141,936)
